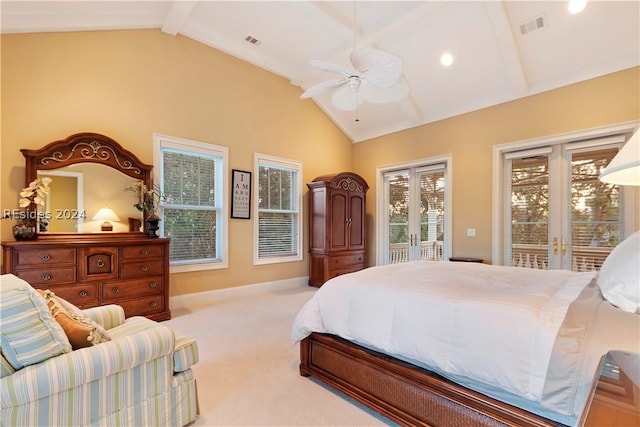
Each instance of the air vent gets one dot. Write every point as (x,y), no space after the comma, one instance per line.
(533,24)
(252,40)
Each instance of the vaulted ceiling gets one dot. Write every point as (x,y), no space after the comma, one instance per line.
(502,50)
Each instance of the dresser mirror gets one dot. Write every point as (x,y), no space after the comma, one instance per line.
(88,172)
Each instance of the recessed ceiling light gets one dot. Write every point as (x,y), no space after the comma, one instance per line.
(577,6)
(446,59)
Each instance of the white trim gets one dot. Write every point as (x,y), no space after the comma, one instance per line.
(189,301)
(160,140)
(381,207)
(498,182)
(285,164)
(79,176)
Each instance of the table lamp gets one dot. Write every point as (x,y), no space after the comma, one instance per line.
(106,214)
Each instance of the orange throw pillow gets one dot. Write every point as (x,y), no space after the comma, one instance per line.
(79,328)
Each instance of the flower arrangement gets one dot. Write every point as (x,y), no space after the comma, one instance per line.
(28,222)
(35,193)
(148,198)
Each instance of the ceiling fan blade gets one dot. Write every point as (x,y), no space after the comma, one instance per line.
(333,68)
(378,95)
(380,68)
(346,98)
(319,88)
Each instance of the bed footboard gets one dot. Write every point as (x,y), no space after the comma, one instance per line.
(402,392)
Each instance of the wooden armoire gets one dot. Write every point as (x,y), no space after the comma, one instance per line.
(337,226)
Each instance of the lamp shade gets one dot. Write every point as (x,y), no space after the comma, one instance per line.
(106,214)
(624,168)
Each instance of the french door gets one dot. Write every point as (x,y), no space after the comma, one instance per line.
(414,220)
(559,215)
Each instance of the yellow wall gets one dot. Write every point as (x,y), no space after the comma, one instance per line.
(130,84)
(469,139)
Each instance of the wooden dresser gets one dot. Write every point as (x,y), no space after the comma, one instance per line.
(131,271)
(337,226)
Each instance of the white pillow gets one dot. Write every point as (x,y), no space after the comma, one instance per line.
(619,277)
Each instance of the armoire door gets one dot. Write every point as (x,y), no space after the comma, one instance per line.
(356,221)
(347,220)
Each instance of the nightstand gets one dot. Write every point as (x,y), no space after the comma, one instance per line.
(615,395)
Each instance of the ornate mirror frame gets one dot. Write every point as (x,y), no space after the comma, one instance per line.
(85,147)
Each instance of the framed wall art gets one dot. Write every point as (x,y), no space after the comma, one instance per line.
(240,194)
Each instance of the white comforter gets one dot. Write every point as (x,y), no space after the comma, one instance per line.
(493,324)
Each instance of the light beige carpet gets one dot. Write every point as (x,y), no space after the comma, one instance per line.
(248,369)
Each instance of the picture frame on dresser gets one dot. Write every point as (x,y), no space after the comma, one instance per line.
(92,269)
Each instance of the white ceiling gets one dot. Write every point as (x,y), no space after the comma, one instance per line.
(493,61)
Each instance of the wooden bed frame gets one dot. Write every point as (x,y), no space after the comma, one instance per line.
(403,392)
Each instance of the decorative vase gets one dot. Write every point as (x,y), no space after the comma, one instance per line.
(25,231)
(152,226)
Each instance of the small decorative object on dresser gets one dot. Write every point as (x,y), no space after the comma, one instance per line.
(337,226)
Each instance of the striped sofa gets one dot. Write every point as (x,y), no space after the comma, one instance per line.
(141,377)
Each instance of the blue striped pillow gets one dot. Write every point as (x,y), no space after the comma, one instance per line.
(29,334)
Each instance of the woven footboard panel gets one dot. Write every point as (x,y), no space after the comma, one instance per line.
(402,392)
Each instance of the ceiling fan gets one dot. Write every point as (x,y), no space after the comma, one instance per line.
(376,77)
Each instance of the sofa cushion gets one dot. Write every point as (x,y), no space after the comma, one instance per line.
(29,333)
(79,328)
(185,353)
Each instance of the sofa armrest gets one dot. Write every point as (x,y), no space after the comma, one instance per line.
(82,366)
(107,316)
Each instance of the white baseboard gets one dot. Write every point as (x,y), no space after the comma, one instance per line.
(181,302)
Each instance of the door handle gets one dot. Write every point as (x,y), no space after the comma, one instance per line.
(555,246)
(564,246)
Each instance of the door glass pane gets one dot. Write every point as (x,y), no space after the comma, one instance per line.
(530,212)
(398,187)
(595,210)
(431,215)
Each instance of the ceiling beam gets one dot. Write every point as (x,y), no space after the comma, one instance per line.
(508,48)
(177,15)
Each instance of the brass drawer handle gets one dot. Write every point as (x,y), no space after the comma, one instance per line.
(153,303)
(144,268)
(46,276)
(115,289)
(144,252)
(46,257)
(83,293)
(153,284)
(100,263)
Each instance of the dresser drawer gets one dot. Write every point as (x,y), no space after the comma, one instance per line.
(48,276)
(143,306)
(45,256)
(98,263)
(113,292)
(341,261)
(82,296)
(137,252)
(141,268)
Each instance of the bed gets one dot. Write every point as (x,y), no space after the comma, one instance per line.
(458,344)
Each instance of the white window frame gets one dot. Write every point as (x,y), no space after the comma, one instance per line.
(262,159)
(161,141)
(382,205)
(499,183)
